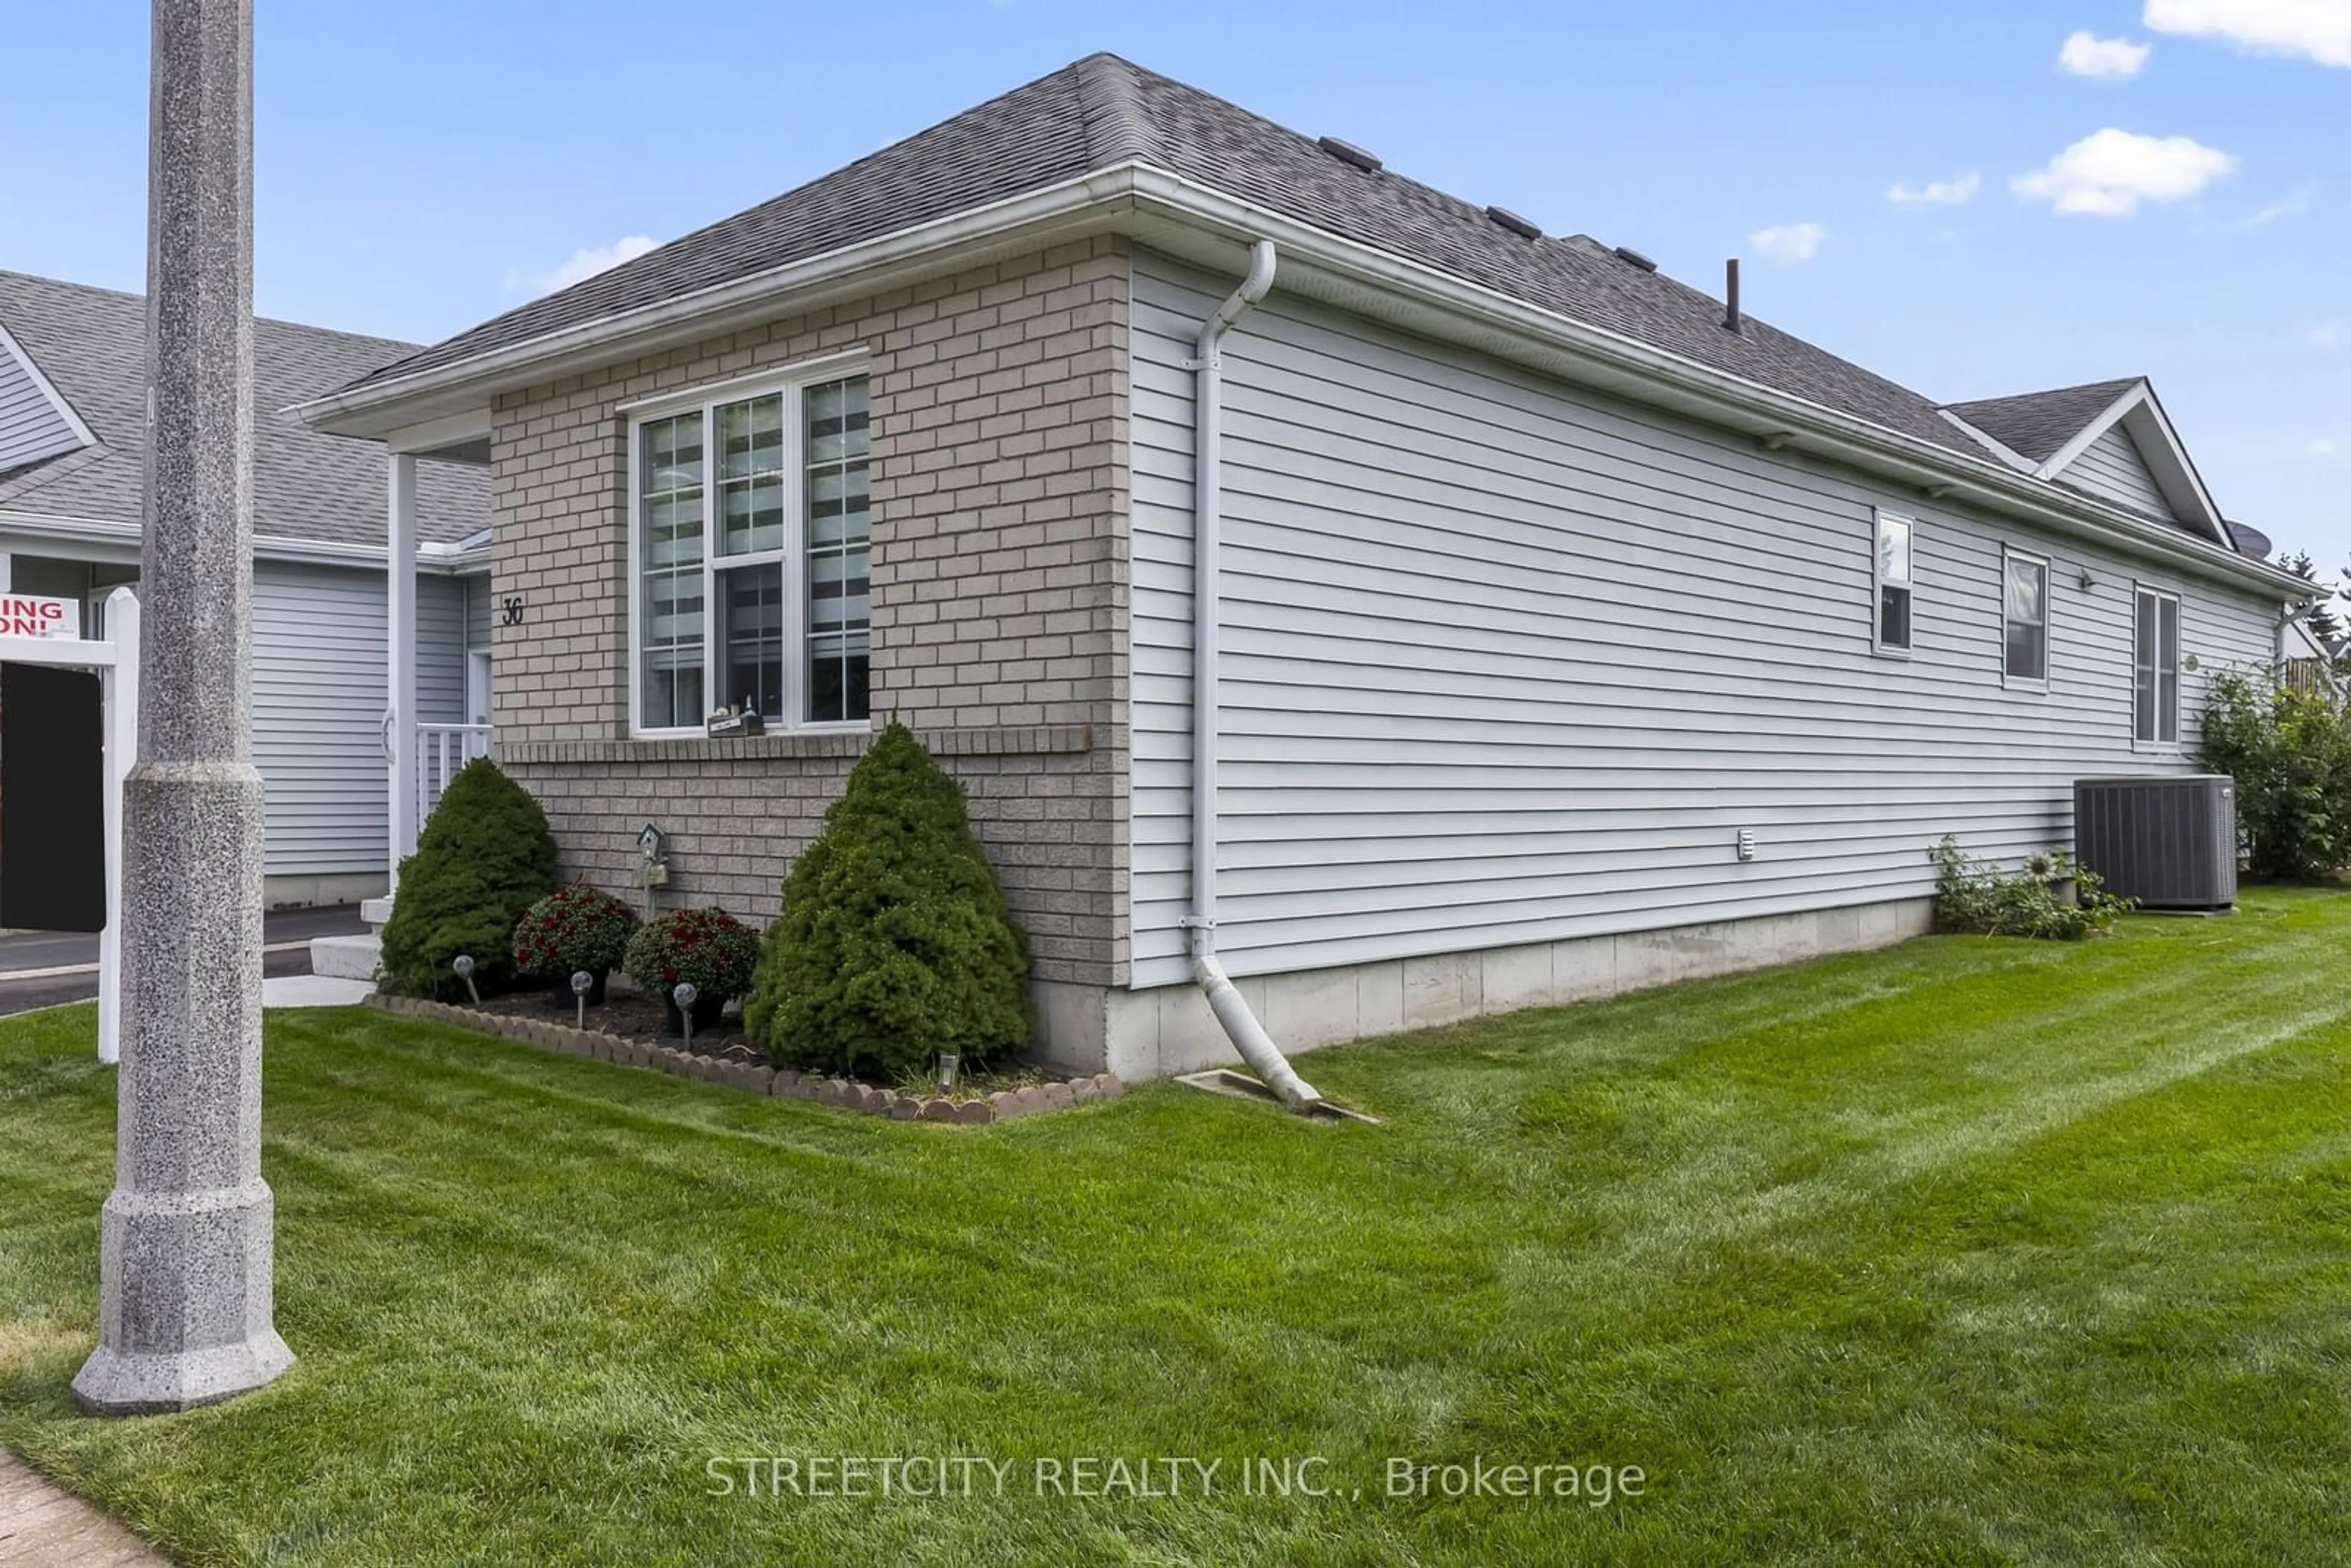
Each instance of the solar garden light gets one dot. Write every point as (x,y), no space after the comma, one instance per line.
(464,965)
(685,997)
(948,1063)
(581,983)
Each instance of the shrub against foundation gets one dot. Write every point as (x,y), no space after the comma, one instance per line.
(895,943)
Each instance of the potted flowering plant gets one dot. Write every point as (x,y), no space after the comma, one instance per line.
(571,929)
(706,948)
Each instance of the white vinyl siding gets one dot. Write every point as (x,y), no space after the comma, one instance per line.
(1508,662)
(2112,469)
(477,610)
(318,694)
(440,650)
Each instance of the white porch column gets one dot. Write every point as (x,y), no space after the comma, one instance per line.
(399,657)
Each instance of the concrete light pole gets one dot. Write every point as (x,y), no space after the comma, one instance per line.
(186,1286)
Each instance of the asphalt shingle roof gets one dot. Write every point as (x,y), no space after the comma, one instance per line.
(2038,424)
(91,343)
(1103,111)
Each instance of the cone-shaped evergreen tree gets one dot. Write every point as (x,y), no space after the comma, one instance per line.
(484,858)
(894,941)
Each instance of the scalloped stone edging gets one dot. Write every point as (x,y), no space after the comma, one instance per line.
(759,1077)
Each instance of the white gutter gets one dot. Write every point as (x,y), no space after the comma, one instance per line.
(1248,1035)
(71,531)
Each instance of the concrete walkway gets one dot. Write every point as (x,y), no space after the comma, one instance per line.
(41,1527)
(312,991)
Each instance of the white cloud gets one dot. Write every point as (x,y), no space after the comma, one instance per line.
(2294,204)
(2086,55)
(1956,193)
(582,265)
(2326,446)
(2330,334)
(2109,173)
(1789,243)
(2315,29)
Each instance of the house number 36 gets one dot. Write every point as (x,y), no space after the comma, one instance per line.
(510,609)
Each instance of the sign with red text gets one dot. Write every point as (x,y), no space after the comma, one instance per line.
(28,615)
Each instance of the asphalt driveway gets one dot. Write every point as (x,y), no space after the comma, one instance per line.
(42,969)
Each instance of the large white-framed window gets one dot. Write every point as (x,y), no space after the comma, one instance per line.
(1895,535)
(749,539)
(2024,618)
(2155,668)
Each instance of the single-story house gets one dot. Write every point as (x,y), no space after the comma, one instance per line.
(73,381)
(1567,628)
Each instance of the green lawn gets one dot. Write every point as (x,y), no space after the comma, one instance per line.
(1970,1251)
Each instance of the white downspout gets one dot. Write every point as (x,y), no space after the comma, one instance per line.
(1257,1047)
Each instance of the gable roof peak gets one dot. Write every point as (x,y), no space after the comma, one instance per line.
(2036,425)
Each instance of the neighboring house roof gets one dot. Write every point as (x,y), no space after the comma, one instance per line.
(1102,112)
(2036,425)
(89,348)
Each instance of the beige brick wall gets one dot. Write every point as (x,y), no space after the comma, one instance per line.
(999,592)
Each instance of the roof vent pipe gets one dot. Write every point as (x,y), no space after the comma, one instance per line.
(1730,294)
(1248,1035)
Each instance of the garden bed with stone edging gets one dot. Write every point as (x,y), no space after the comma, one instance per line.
(759,1077)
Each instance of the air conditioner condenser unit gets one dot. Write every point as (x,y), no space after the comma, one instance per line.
(2169,842)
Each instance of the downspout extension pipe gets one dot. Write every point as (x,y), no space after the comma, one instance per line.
(1248,1035)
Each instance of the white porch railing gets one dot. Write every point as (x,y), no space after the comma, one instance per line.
(441,751)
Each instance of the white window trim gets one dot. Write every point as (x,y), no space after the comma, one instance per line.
(1878,519)
(705,400)
(2048,620)
(2179,671)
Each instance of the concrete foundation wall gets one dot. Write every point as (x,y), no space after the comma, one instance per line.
(319,891)
(1160,1032)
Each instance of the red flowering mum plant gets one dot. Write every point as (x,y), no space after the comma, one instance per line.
(709,948)
(573,928)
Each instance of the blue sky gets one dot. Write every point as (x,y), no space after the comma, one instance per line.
(422,166)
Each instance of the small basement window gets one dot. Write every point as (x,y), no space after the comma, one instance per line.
(1892,578)
(2024,618)
(2155,669)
